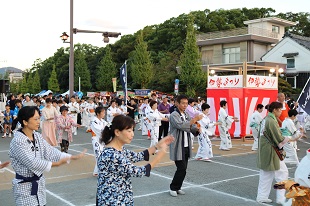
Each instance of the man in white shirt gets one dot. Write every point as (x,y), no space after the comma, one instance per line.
(255,121)
(112,111)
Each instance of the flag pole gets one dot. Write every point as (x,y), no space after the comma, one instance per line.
(126,82)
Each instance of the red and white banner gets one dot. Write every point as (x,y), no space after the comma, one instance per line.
(241,103)
(91,94)
(261,82)
(233,81)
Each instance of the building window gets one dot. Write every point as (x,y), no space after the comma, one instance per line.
(275,29)
(291,81)
(231,55)
(290,63)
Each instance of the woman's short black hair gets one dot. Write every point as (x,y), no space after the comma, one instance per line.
(98,110)
(152,102)
(223,103)
(24,114)
(205,106)
(274,105)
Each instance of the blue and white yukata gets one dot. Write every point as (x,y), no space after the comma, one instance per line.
(97,126)
(114,178)
(255,121)
(289,130)
(29,160)
(205,146)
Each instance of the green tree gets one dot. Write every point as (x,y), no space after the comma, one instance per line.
(36,86)
(30,82)
(106,70)
(15,87)
(192,75)
(24,88)
(52,81)
(141,65)
(81,70)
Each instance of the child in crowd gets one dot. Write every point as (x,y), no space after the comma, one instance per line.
(8,119)
(64,125)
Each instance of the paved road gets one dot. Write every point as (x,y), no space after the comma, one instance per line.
(231,179)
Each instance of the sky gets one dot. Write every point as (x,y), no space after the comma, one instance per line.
(31,29)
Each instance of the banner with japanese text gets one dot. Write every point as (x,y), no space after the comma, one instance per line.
(233,81)
(261,82)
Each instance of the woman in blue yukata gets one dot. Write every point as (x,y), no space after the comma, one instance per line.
(31,156)
(115,167)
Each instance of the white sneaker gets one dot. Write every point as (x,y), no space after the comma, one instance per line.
(173,193)
(10,135)
(180,192)
(264,201)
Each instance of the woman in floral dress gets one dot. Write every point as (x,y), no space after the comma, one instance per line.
(64,128)
(115,167)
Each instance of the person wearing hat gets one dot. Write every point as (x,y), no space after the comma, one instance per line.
(8,119)
(64,125)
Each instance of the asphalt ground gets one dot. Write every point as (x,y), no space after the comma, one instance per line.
(231,179)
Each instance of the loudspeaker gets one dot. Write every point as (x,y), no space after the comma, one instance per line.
(4,86)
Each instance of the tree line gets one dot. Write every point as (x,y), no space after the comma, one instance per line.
(153,55)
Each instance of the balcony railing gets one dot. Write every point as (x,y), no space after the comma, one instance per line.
(237,32)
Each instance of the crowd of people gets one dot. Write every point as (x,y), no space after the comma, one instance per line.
(168,123)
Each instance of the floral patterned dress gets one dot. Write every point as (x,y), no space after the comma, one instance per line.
(63,133)
(115,170)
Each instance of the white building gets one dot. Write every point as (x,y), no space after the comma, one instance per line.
(294,51)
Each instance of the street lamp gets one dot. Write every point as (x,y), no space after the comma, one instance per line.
(64,37)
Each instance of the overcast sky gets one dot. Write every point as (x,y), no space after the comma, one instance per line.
(30,29)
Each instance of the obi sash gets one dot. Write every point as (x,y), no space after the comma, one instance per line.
(33,180)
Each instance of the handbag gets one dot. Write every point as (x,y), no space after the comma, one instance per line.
(280,152)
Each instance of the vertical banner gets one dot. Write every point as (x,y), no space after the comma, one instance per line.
(114,84)
(123,78)
(304,98)
(176,86)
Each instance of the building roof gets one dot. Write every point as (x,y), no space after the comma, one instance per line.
(302,40)
(275,20)
(3,70)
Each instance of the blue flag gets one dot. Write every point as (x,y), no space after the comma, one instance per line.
(303,100)
(123,77)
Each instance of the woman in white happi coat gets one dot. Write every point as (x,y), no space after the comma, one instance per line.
(255,121)
(90,110)
(226,121)
(155,118)
(289,130)
(74,109)
(97,125)
(31,156)
(84,115)
(207,127)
